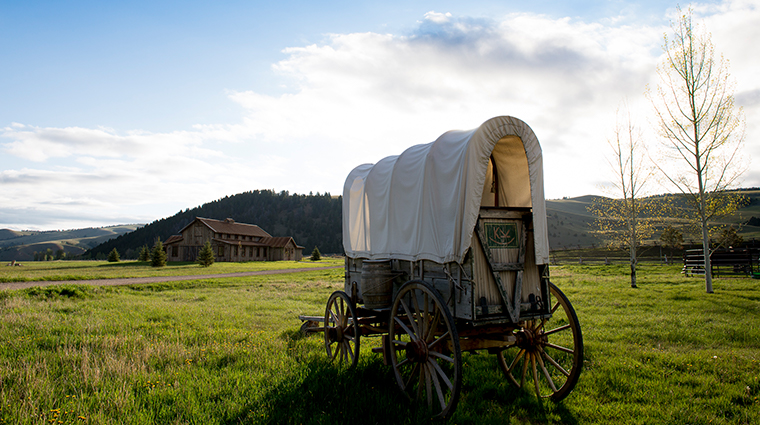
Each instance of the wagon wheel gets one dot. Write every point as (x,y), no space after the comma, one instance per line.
(342,331)
(548,354)
(425,353)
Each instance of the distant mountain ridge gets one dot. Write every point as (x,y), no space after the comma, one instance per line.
(21,245)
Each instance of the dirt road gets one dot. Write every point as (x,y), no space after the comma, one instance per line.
(139,280)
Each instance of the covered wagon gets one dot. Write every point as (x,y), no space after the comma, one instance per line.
(447,251)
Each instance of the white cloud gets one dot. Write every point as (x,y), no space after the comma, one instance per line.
(370,95)
(438,18)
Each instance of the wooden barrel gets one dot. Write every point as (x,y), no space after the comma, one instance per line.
(377,283)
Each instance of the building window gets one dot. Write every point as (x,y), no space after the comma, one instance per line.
(175,251)
(221,250)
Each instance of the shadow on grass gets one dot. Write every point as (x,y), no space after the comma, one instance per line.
(320,392)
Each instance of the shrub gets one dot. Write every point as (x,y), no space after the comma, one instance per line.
(315,255)
(113,256)
(144,253)
(206,256)
(158,255)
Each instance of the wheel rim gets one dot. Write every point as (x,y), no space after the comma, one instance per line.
(342,334)
(425,352)
(548,355)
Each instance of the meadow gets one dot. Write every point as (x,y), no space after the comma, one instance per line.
(88,270)
(229,351)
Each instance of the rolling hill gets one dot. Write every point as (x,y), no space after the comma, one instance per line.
(21,245)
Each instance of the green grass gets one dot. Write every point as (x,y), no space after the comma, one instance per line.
(227,351)
(85,270)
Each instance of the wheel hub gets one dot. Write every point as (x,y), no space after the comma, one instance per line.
(336,334)
(528,339)
(417,351)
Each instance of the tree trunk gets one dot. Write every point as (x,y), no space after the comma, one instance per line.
(708,264)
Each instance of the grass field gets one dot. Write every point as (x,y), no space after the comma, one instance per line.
(228,351)
(85,270)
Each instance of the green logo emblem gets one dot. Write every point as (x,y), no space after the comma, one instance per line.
(501,235)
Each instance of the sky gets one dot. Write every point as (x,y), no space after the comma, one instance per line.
(128,112)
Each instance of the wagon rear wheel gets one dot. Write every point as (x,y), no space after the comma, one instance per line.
(342,333)
(548,355)
(425,352)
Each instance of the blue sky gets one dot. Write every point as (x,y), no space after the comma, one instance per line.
(125,112)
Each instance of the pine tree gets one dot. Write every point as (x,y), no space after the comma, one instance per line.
(113,256)
(144,254)
(206,256)
(315,255)
(158,255)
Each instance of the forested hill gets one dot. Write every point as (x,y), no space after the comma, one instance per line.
(312,220)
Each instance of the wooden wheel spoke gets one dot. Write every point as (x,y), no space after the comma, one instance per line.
(555,330)
(418,314)
(411,377)
(438,340)
(555,307)
(560,348)
(440,356)
(554,363)
(334,318)
(420,381)
(437,383)
(405,328)
(426,322)
(409,316)
(441,373)
(349,351)
(546,374)
(428,386)
(430,334)
(524,369)
(515,360)
(535,373)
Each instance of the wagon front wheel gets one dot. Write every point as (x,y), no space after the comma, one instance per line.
(425,352)
(548,355)
(342,333)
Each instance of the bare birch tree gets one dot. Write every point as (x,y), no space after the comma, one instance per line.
(627,220)
(701,130)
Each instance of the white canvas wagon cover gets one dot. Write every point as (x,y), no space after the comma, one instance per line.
(424,203)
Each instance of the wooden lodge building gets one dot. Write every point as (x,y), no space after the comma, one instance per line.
(231,242)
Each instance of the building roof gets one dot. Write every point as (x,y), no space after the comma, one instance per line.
(173,238)
(229,227)
(280,242)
